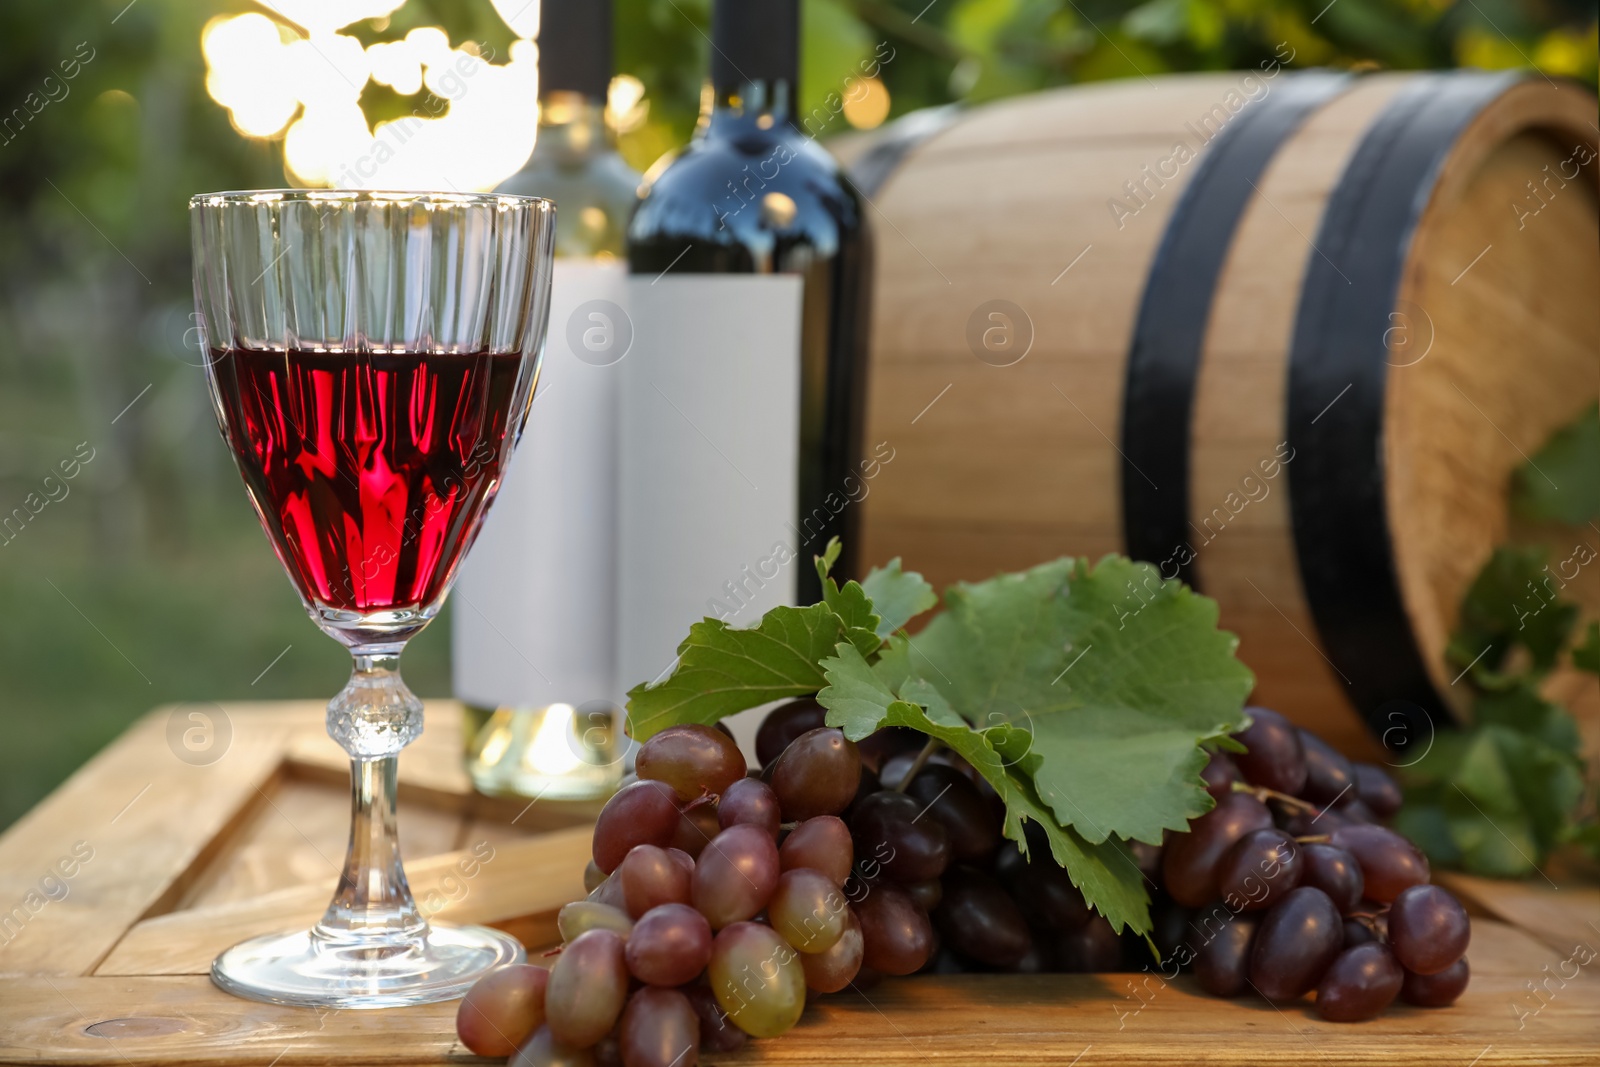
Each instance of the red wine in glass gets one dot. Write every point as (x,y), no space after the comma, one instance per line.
(369,471)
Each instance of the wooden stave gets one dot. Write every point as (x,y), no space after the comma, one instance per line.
(1035,532)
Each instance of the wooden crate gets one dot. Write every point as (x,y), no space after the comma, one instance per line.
(172,861)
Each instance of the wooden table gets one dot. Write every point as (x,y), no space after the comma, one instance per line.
(173,859)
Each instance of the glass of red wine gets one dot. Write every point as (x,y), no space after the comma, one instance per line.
(372,359)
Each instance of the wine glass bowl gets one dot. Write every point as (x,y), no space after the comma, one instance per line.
(372,360)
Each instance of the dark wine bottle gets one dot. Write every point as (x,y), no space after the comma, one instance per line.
(742,404)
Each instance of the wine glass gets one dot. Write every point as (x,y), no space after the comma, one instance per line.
(372,359)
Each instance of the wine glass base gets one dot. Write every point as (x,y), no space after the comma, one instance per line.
(303,970)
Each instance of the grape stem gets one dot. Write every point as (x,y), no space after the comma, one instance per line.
(1263,794)
(933,745)
(1314,839)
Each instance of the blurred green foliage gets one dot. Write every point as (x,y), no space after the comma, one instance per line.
(150,580)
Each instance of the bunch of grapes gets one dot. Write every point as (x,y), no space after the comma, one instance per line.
(1290,885)
(721,901)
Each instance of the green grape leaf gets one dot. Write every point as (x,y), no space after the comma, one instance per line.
(1513,601)
(898,596)
(851,603)
(859,702)
(1561,482)
(722,670)
(1117,676)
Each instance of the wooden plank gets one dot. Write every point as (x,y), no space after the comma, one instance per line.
(129,828)
(1011,1019)
(1563,913)
(515,885)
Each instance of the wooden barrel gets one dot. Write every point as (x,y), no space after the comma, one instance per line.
(1283,334)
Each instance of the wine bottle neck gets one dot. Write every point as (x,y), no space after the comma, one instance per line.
(746,106)
(573,125)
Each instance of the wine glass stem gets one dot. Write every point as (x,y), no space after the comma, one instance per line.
(373,718)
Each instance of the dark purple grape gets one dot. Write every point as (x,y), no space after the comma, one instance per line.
(1147,858)
(1354,811)
(894,837)
(1037,960)
(896,934)
(816,775)
(1219,774)
(502,1009)
(694,760)
(783,724)
(696,825)
(1048,899)
(1298,822)
(1436,990)
(832,970)
(717,1032)
(927,894)
(1329,774)
(751,801)
(1389,863)
(1428,929)
(950,797)
(643,813)
(1377,790)
(1222,964)
(669,945)
(735,875)
(1259,870)
(978,920)
(1170,930)
(1335,872)
(1189,861)
(822,844)
(1275,757)
(1357,932)
(660,1028)
(587,987)
(1296,941)
(1359,984)
(650,876)
(884,744)
(1092,948)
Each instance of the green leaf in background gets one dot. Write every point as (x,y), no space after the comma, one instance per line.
(898,596)
(1118,677)
(1561,483)
(722,670)
(1586,655)
(1513,601)
(859,702)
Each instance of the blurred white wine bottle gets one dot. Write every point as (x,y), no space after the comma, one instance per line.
(534,633)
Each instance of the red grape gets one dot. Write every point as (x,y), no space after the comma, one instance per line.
(697,824)
(816,775)
(1428,929)
(643,813)
(1389,863)
(1189,862)
(587,987)
(660,1029)
(717,1032)
(897,936)
(502,1009)
(694,760)
(808,910)
(822,843)
(1222,964)
(1275,757)
(652,876)
(735,875)
(783,724)
(669,945)
(750,800)
(1336,873)
(832,969)
(1219,774)
(543,1050)
(1297,940)
(1259,870)
(1359,984)
(1436,990)
(894,839)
